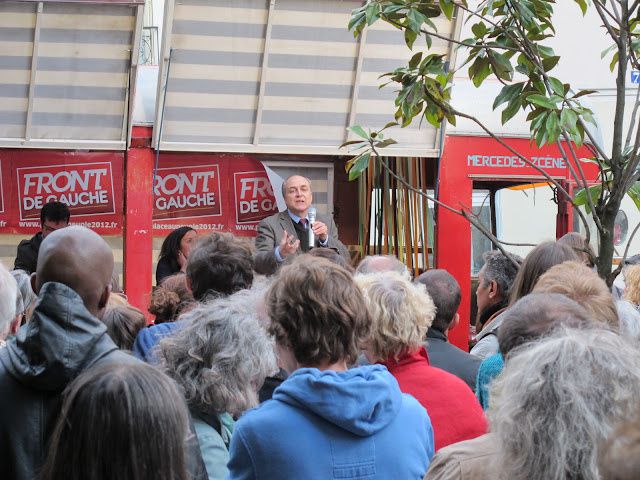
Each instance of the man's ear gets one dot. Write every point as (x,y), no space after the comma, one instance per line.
(493,289)
(187,281)
(104,298)
(33,282)
(456,320)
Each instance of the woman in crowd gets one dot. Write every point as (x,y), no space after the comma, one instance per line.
(127,422)
(171,299)
(325,420)
(175,252)
(220,359)
(554,404)
(401,314)
(123,324)
(580,246)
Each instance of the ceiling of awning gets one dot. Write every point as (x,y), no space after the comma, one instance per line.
(278,76)
(65,72)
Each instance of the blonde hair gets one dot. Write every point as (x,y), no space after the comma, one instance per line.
(401,313)
(583,285)
(632,284)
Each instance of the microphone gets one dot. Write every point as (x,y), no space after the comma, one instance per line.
(311,213)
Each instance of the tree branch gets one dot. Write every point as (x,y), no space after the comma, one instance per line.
(634,115)
(620,266)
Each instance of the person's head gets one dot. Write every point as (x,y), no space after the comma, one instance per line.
(220,264)
(80,259)
(119,421)
(538,261)
(381,263)
(221,356)
(53,216)
(297,194)
(401,313)
(8,301)
(558,398)
(619,457)
(495,279)
(331,255)
(578,282)
(123,324)
(580,246)
(537,315)
(444,290)
(629,319)
(317,312)
(171,298)
(178,244)
(632,284)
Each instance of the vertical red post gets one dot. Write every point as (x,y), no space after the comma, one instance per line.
(453,236)
(138,232)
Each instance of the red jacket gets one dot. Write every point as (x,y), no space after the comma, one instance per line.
(453,408)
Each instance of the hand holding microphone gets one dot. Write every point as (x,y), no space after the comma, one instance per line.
(311,213)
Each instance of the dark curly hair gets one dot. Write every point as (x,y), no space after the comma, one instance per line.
(318,311)
(170,299)
(220,264)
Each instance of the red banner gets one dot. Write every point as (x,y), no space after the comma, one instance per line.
(90,183)
(211,192)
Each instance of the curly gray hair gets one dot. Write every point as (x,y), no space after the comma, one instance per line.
(499,268)
(558,399)
(221,356)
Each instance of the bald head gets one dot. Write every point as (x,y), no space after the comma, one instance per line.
(382,263)
(82,260)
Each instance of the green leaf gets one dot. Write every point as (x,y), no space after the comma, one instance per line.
(372,12)
(580,198)
(568,119)
(385,143)
(353,142)
(359,165)
(512,108)
(583,6)
(556,86)
(501,65)
(357,22)
(479,30)
(553,128)
(409,38)
(389,125)
(582,93)
(479,70)
(634,194)
(541,100)
(359,131)
(415,20)
(415,60)
(508,93)
(447,7)
(607,50)
(549,63)
(614,61)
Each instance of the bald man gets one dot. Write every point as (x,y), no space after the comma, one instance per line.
(287,233)
(63,338)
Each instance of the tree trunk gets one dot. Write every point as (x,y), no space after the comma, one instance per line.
(605,247)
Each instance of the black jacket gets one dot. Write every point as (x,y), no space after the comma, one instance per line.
(450,358)
(60,341)
(27,257)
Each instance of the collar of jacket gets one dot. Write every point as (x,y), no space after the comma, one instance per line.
(61,339)
(416,356)
(434,334)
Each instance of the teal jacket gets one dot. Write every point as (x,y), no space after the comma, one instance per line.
(214,446)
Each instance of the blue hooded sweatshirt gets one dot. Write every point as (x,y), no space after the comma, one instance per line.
(334,425)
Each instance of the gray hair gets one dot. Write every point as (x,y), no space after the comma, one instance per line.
(26,295)
(382,263)
(629,319)
(500,269)
(221,356)
(8,300)
(558,399)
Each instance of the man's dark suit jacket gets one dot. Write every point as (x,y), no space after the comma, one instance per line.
(270,231)
(446,356)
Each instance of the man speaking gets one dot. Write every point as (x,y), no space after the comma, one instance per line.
(295,230)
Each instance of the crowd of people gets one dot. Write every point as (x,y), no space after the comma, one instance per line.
(316,370)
